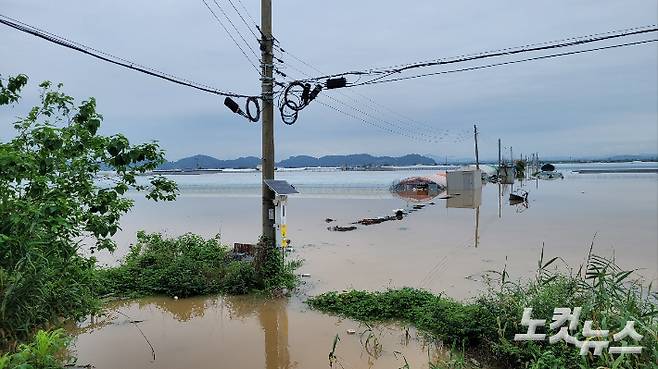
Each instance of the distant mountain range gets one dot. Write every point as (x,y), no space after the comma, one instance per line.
(354,160)
(208,162)
(552,158)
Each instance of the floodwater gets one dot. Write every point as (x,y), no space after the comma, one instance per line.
(445,247)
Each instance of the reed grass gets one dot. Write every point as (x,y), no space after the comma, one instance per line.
(608,295)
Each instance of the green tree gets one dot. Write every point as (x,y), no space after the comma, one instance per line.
(54,202)
(520,166)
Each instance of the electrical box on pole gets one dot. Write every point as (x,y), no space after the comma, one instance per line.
(281,190)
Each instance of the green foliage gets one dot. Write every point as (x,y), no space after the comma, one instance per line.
(51,200)
(46,351)
(272,272)
(188,265)
(442,316)
(606,294)
(520,166)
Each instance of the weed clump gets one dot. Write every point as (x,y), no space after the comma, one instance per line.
(188,265)
(448,319)
(47,350)
(606,294)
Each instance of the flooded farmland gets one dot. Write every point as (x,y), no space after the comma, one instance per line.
(445,246)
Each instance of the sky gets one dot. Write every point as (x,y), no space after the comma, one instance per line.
(594,104)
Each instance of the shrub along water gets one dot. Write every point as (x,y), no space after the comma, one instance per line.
(184,266)
(607,295)
(46,351)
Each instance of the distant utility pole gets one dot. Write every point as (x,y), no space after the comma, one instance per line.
(499,155)
(477,156)
(267,82)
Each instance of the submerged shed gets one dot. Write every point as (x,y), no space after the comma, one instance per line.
(464,179)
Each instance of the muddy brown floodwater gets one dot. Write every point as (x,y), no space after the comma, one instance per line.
(239,332)
(445,247)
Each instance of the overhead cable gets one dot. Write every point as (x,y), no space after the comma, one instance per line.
(542,57)
(236,29)
(231,36)
(107,57)
(424,133)
(574,41)
(243,20)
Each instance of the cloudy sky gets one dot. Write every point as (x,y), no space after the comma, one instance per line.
(598,103)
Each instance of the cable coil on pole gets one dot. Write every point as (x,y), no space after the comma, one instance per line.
(295,97)
(252,100)
(234,107)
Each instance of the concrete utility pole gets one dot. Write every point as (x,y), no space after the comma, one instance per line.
(477,155)
(499,156)
(267,138)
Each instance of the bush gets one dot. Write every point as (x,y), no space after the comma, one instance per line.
(188,265)
(46,351)
(441,316)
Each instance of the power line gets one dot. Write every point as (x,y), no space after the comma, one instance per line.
(574,41)
(243,20)
(236,29)
(426,135)
(231,36)
(414,135)
(372,120)
(369,119)
(297,58)
(375,106)
(369,122)
(23,27)
(249,15)
(550,56)
(501,52)
(626,31)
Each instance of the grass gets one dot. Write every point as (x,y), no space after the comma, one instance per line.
(607,294)
(46,351)
(189,265)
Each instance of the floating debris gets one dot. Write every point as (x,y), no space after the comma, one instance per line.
(244,248)
(549,175)
(371,221)
(548,172)
(329,220)
(341,229)
(518,197)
